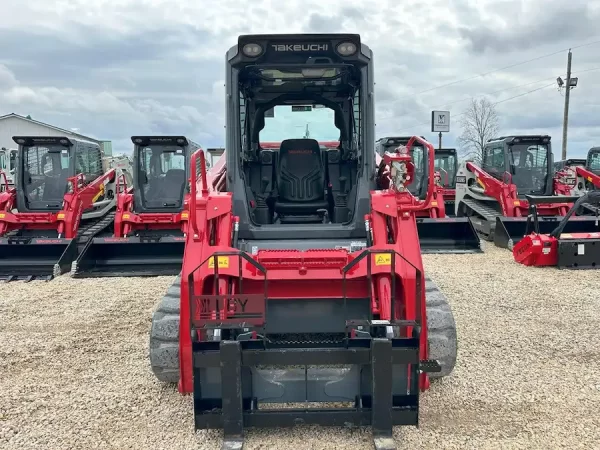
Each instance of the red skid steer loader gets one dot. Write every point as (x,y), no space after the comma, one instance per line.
(438,233)
(63,196)
(324,271)
(494,195)
(147,236)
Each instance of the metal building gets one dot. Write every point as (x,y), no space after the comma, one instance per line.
(16,125)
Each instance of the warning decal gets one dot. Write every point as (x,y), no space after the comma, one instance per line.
(222,262)
(384,259)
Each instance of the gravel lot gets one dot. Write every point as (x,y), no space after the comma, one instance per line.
(74,370)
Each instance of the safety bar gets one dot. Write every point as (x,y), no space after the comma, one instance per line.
(2,174)
(193,188)
(430,181)
(392,253)
(121,186)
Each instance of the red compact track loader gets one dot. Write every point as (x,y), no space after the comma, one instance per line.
(302,281)
(564,250)
(494,195)
(8,161)
(577,177)
(438,233)
(63,195)
(147,236)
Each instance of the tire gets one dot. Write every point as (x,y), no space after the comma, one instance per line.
(441,330)
(164,336)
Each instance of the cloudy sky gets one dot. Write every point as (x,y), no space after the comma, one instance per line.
(114,68)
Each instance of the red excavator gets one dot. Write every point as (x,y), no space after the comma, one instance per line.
(63,196)
(291,270)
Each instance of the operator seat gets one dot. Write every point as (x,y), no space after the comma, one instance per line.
(173,185)
(300,178)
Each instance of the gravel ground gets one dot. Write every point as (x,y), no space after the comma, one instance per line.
(74,371)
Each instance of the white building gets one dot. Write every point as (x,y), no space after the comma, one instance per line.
(16,125)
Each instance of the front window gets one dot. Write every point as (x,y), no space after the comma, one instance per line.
(163,176)
(445,164)
(46,170)
(529,167)
(594,161)
(299,121)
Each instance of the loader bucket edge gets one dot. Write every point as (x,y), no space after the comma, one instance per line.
(29,258)
(130,257)
(448,235)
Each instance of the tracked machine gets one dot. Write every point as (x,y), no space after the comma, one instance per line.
(494,195)
(62,197)
(438,233)
(578,177)
(273,298)
(147,236)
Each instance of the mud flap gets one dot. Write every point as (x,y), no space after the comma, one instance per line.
(510,230)
(27,258)
(130,257)
(448,235)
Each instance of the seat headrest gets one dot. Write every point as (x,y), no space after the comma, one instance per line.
(300,147)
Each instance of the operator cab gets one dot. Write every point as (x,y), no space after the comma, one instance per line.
(525,161)
(446,163)
(162,172)
(418,187)
(593,160)
(560,165)
(298,91)
(44,166)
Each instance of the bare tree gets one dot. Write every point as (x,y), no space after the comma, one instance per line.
(479,123)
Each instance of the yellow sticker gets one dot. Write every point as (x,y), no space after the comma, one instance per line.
(480,183)
(2,215)
(60,216)
(384,259)
(184,215)
(126,216)
(99,194)
(517,203)
(566,236)
(433,203)
(589,179)
(222,262)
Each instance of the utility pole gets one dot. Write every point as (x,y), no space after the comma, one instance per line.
(440,142)
(566,114)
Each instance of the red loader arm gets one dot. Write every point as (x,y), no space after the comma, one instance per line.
(503,191)
(78,199)
(588,175)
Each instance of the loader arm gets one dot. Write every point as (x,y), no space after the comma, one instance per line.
(589,176)
(503,191)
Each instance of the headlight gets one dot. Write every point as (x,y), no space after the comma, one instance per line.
(346,49)
(252,50)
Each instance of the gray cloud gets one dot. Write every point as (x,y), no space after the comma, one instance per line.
(130,67)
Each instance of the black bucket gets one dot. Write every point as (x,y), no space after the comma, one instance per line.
(510,230)
(27,258)
(130,257)
(448,235)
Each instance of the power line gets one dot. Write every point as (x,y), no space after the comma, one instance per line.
(501,101)
(489,93)
(498,70)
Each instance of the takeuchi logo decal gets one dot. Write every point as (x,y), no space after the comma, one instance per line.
(300,47)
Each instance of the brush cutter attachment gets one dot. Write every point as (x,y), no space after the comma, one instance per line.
(448,235)
(557,248)
(510,230)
